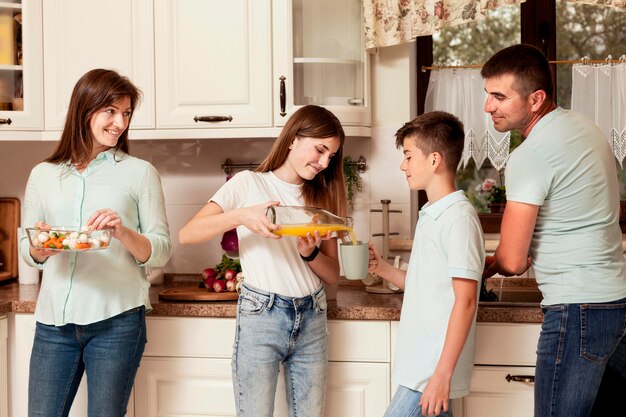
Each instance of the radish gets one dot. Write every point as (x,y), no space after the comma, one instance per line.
(208,283)
(209,272)
(230,274)
(219,285)
(230,285)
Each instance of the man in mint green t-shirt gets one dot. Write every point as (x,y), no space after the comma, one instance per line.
(563,212)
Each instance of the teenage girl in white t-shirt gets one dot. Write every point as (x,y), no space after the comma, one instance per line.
(281,313)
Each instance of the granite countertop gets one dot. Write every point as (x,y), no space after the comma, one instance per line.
(352,303)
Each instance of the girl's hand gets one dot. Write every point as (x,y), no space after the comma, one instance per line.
(255,220)
(106,218)
(307,244)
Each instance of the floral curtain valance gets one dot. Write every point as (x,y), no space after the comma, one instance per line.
(393,22)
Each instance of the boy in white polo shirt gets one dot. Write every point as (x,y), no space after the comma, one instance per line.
(435,349)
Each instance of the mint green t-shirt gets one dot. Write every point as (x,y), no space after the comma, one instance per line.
(448,244)
(87,287)
(566,167)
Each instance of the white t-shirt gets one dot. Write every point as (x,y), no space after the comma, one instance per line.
(272,265)
(448,244)
(566,167)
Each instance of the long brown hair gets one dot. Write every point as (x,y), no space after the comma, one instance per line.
(95,90)
(326,189)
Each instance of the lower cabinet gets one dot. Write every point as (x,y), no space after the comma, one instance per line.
(21,335)
(4,371)
(502,382)
(186,369)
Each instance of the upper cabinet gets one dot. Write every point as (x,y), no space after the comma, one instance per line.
(207,68)
(80,35)
(319,59)
(21,93)
(213,63)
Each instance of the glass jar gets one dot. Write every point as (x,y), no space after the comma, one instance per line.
(300,220)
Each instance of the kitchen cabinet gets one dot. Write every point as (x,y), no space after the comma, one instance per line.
(21,333)
(21,70)
(4,374)
(186,368)
(319,58)
(80,35)
(502,382)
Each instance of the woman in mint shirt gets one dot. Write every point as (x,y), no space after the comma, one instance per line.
(91,307)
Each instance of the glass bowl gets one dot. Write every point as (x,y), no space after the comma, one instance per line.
(69,239)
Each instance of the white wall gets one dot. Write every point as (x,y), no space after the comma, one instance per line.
(191,169)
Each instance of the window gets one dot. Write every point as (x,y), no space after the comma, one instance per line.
(562,30)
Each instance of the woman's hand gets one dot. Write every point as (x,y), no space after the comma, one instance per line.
(106,218)
(306,244)
(40,255)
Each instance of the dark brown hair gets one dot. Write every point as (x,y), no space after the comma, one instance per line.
(95,90)
(527,64)
(436,131)
(326,189)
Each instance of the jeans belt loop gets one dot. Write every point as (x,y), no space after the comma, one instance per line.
(270,303)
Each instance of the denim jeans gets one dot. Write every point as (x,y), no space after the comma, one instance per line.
(405,403)
(273,329)
(109,351)
(576,344)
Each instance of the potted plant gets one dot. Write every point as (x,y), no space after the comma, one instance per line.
(494,194)
(351,178)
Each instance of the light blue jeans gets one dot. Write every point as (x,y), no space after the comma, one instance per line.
(405,403)
(109,351)
(581,357)
(272,329)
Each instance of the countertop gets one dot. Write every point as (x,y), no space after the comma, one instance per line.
(352,303)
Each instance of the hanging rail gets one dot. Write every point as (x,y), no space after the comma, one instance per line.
(608,60)
(228,166)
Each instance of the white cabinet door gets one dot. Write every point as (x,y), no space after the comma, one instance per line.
(22,335)
(319,57)
(4,375)
(213,60)
(23,79)
(184,387)
(492,394)
(80,35)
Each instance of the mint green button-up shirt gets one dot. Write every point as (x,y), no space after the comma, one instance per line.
(86,287)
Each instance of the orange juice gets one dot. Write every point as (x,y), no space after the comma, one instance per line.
(323,228)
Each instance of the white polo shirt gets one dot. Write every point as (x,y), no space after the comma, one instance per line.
(448,243)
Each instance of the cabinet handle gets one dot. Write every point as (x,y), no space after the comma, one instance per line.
(529,379)
(283,95)
(5,121)
(213,119)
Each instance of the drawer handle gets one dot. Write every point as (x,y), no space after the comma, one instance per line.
(528,379)
(213,119)
(283,96)
(5,121)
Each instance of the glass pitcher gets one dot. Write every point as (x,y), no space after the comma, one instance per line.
(300,220)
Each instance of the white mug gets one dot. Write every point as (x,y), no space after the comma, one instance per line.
(354,259)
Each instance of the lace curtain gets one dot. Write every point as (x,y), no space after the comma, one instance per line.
(599,92)
(393,22)
(462,93)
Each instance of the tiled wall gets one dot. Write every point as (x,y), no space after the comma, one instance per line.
(191,172)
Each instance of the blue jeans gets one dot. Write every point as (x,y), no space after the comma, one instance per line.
(576,344)
(405,403)
(109,351)
(272,329)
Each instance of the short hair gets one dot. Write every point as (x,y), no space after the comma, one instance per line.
(436,131)
(527,64)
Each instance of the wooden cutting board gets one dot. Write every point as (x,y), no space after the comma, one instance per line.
(9,222)
(196,294)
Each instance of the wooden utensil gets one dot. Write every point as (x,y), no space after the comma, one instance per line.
(196,294)
(9,222)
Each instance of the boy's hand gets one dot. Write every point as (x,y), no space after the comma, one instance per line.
(436,396)
(375,259)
